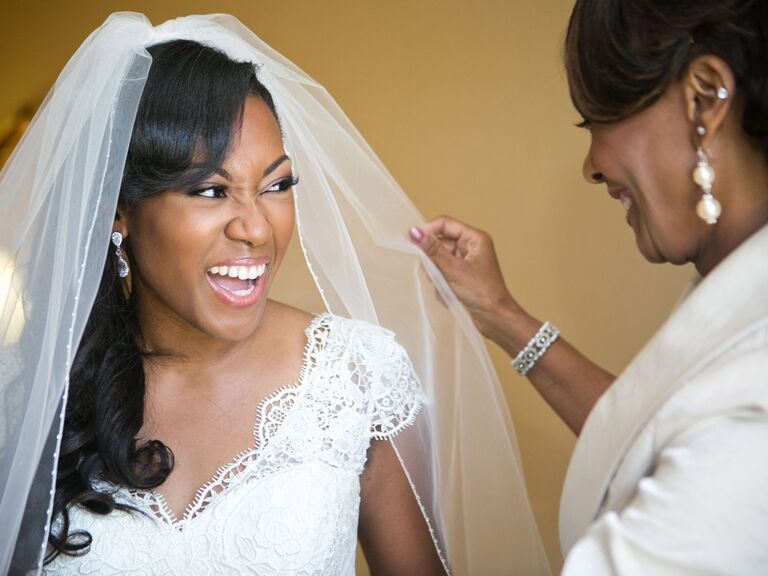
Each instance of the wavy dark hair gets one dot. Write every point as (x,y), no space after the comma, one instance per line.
(622,56)
(191,106)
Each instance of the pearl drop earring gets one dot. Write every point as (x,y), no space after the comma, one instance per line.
(708,208)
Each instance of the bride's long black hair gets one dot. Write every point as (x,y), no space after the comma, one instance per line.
(191,106)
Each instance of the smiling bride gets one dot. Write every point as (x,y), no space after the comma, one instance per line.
(196,349)
(190,423)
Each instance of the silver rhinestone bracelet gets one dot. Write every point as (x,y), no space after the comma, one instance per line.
(535,349)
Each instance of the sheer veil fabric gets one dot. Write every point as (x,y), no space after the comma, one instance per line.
(59,192)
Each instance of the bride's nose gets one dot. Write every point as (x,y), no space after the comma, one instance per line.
(249,225)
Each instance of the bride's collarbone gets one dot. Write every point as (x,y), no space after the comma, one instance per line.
(203,438)
(189,417)
(221,387)
(208,420)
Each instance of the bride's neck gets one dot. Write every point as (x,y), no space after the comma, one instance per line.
(174,345)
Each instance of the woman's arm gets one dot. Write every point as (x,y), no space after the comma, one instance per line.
(392,531)
(566,379)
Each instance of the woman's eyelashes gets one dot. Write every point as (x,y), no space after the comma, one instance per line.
(209,191)
(283,184)
(220,191)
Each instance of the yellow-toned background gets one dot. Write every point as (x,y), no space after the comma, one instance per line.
(466,103)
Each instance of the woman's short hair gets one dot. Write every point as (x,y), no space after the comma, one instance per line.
(622,56)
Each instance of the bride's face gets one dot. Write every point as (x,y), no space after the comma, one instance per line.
(205,257)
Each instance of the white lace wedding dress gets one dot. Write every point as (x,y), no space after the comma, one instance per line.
(288,505)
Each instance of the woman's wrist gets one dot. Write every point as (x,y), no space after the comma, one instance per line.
(509,326)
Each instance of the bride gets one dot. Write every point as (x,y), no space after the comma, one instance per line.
(191,424)
(185,360)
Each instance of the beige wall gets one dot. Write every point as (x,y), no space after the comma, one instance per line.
(466,103)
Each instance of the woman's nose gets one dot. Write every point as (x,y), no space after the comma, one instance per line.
(249,225)
(590,172)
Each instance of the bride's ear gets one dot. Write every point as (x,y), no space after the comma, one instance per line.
(120,223)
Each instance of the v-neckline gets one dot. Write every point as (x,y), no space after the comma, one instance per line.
(224,475)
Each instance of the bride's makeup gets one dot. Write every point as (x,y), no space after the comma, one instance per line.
(207,254)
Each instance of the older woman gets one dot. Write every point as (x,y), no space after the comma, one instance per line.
(669,472)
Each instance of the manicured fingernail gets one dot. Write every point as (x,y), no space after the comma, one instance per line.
(416,234)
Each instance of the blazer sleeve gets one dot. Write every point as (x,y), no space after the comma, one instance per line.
(702,510)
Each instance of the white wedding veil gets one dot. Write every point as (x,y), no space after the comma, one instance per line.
(58,194)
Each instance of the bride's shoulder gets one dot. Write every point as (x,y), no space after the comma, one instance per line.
(380,368)
(361,343)
(287,315)
(342,328)
(332,331)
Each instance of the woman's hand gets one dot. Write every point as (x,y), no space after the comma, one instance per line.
(568,381)
(467,259)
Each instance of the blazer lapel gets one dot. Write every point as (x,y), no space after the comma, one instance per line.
(725,305)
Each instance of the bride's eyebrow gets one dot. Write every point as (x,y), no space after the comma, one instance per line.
(267,171)
(274,165)
(221,172)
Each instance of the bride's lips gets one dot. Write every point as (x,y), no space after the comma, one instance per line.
(238,282)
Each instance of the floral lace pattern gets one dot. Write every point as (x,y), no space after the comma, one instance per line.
(290,503)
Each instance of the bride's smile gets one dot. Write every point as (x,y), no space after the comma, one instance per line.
(238,282)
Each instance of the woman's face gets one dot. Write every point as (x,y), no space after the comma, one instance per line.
(646,162)
(205,257)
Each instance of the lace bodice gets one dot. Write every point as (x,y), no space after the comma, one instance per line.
(288,505)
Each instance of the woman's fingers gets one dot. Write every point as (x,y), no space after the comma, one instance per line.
(439,252)
(467,259)
(447,228)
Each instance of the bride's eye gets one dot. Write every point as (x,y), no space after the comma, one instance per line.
(283,185)
(209,191)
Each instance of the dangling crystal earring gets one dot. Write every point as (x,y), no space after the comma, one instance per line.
(122,265)
(708,208)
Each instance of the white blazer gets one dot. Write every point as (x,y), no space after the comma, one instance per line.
(670,473)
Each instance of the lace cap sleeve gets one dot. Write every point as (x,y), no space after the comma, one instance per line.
(390,384)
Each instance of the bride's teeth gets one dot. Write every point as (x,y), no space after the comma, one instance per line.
(241,272)
(626,201)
